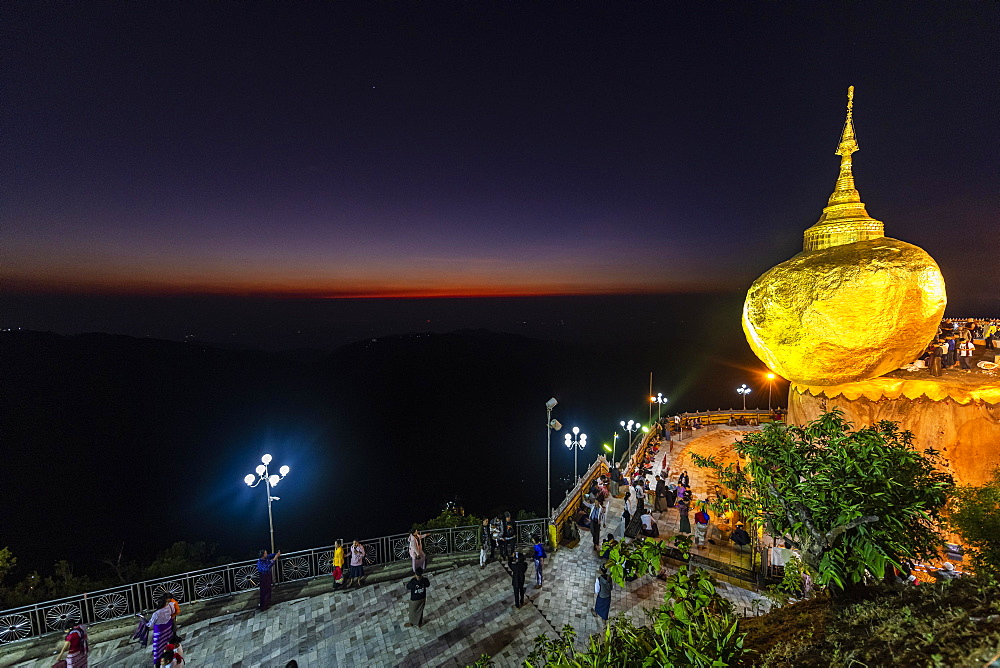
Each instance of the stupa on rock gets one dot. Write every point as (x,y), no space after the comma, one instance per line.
(855,305)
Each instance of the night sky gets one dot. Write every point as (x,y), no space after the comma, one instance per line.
(479,149)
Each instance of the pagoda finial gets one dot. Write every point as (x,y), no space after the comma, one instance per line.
(844,219)
(848,144)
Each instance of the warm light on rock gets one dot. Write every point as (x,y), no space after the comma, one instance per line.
(854,304)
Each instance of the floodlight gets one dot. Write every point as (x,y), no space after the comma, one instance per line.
(551,403)
(555,424)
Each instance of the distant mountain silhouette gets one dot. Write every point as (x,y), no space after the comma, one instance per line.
(113,439)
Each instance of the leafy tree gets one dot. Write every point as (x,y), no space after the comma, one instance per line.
(975,514)
(855,501)
(7,562)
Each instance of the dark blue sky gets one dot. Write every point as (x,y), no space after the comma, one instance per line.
(373,149)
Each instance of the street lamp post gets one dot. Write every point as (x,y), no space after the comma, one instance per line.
(631,427)
(576,442)
(270,480)
(744,391)
(770,382)
(550,424)
(659,400)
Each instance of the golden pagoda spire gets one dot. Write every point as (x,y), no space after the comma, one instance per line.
(844,219)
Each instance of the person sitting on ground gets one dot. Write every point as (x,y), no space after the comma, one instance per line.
(740,536)
(649,527)
(608,544)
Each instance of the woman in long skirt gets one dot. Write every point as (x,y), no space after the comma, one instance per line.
(75,647)
(602,587)
(162,623)
(683,507)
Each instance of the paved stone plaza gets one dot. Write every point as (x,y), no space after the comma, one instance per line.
(469,613)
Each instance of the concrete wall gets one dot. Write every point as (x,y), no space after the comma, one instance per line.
(967,435)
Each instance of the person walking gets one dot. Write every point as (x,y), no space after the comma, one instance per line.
(417,586)
(357,570)
(517,570)
(163,627)
(701,520)
(338,564)
(418,558)
(602,588)
(537,557)
(265,564)
(75,647)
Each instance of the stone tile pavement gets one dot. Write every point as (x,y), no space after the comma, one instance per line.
(469,612)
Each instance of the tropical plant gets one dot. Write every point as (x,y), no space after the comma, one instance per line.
(856,501)
(975,514)
(695,625)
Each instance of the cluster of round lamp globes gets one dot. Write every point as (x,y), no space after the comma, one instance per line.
(270,480)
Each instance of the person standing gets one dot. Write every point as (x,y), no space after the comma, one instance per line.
(485,539)
(537,557)
(75,647)
(684,507)
(417,586)
(595,524)
(965,351)
(616,478)
(701,520)
(265,564)
(163,627)
(418,558)
(628,508)
(496,532)
(338,564)
(357,563)
(660,504)
(509,534)
(684,480)
(517,570)
(602,588)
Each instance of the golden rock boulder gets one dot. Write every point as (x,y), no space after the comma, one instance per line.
(845,313)
(854,304)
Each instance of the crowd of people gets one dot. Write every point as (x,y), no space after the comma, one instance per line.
(954,345)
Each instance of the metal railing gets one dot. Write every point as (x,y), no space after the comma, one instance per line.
(126,600)
(574,497)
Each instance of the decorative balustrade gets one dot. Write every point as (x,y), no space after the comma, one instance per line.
(127,600)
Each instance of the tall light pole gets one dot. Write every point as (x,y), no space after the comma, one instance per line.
(550,424)
(659,400)
(744,391)
(770,382)
(631,427)
(576,442)
(269,480)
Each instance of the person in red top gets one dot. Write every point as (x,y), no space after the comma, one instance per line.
(75,647)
